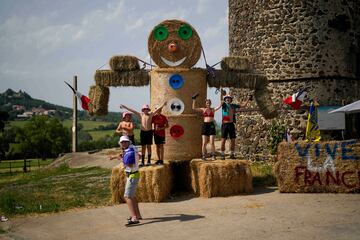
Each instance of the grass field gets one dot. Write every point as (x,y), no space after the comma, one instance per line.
(59,189)
(53,190)
(88,125)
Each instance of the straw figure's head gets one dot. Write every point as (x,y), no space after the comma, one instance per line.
(174,44)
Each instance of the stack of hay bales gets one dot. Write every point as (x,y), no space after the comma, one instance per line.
(154,186)
(220,178)
(125,71)
(318,167)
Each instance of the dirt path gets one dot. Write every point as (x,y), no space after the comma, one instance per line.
(266,214)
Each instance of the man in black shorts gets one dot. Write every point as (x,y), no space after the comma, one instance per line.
(228,123)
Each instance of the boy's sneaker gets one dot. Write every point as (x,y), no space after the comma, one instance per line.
(232,156)
(222,157)
(148,164)
(213,157)
(141,165)
(203,157)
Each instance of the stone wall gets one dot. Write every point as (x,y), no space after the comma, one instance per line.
(252,128)
(296,44)
(292,39)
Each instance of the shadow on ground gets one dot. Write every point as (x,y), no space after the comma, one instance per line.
(172,217)
(263,190)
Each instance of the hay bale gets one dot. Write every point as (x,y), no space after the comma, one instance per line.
(124,63)
(117,184)
(237,80)
(235,64)
(99,96)
(189,47)
(332,166)
(220,178)
(154,186)
(111,78)
(266,107)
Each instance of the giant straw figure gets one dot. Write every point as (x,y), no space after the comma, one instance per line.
(175,47)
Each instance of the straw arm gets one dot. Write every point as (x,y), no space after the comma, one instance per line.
(236,79)
(252,81)
(110,78)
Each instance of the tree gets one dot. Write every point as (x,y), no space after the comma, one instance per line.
(43,137)
(4,116)
(6,135)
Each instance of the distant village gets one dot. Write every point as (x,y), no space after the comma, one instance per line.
(34,111)
(10,101)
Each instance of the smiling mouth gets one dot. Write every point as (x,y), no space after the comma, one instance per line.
(173,64)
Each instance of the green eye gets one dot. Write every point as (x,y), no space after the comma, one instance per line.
(185,32)
(160,33)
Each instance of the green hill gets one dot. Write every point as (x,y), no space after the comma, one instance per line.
(26,103)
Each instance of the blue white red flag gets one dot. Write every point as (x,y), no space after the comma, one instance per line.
(295,100)
(83,100)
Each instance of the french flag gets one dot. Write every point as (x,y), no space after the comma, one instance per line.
(295,100)
(83,100)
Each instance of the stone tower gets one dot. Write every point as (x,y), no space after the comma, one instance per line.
(296,44)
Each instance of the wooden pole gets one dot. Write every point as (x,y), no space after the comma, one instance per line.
(74,125)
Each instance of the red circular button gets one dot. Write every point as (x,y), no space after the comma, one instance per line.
(176,131)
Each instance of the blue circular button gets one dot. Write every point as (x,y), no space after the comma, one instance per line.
(176,81)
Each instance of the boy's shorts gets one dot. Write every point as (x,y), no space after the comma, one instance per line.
(146,137)
(159,139)
(228,129)
(130,187)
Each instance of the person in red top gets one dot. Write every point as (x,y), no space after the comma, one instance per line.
(160,123)
(208,131)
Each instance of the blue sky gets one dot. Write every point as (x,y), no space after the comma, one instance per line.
(43,42)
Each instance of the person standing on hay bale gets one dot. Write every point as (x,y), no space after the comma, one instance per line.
(126,127)
(160,123)
(228,122)
(146,133)
(208,131)
(130,159)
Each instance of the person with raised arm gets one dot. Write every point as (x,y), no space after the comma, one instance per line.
(228,122)
(208,130)
(146,132)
